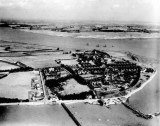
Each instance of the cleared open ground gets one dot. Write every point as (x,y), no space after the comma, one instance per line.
(16,85)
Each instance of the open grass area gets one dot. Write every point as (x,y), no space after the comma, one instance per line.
(73,86)
(16,85)
(6,66)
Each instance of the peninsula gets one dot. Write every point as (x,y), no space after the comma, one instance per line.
(79,76)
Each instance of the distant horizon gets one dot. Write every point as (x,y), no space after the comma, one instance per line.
(128,11)
(79,21)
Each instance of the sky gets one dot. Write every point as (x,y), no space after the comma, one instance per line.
(98,10)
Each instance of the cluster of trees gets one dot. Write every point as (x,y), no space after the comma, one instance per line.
(11,100)
(75,75)
(80,96)
(21,69)
(136,79)
(149,70)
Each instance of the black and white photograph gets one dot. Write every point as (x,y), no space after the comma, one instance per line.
(79,63)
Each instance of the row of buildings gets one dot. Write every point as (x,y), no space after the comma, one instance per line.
(36,93)
(115,75)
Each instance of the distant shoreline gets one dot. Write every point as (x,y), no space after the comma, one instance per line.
(97,35)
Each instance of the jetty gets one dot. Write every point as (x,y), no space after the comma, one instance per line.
(137,112)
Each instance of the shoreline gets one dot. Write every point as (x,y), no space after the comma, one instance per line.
(141,87)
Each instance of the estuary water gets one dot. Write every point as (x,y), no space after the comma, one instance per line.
(147,100)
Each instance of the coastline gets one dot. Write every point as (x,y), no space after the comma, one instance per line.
(142,86)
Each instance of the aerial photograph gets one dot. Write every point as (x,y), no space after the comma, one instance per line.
(79,63)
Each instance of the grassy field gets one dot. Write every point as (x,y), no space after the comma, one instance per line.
(73,86)
(16,85)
